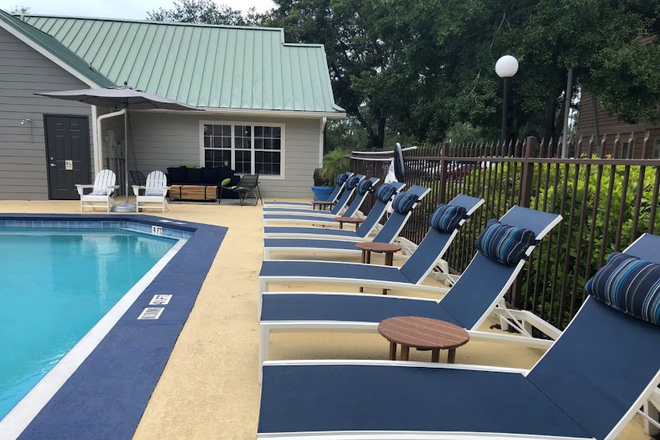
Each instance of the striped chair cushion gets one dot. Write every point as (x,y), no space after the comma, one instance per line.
(404,202)
(352,182)
(630,285)
(447,218)
(385,192)
(503,243)
(342,178)
(364,187)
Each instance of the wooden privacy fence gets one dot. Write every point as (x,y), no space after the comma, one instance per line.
(605,204)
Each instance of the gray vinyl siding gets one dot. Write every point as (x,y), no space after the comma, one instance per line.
(167,140)
(23,71)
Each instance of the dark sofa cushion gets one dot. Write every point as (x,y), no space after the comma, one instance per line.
(176,176)
(194,176)
(224,173)
(210,176)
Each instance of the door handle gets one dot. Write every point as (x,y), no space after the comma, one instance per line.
(53,165)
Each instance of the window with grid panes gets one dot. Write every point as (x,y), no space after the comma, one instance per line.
(217,146)
(256,149)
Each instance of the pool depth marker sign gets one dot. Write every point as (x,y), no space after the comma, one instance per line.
(155,312)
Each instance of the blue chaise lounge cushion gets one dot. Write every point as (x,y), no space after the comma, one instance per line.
(364,187)
(503,243)
(404,202)
(352,182)
(385,192)
(630,285)
(342,178)
(447,218)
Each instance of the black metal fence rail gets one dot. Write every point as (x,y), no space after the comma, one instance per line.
(605,204)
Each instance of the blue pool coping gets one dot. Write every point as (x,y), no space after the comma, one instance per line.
(107,395)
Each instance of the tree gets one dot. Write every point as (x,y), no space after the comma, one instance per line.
(19,10)
(599,39)
(204,11)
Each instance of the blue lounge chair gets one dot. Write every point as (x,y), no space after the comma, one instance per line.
(362,189)
(340,180)
(587,386)
(352,209)
(340,204)
(409,276)
(477,293)
(343,247)
(395,221)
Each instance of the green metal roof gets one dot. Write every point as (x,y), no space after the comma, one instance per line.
(200,65)
(51,45)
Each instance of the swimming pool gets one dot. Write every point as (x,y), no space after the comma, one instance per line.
(56,285)
(101,387)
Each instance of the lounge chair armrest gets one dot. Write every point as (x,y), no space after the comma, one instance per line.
(137,188)
(81,188)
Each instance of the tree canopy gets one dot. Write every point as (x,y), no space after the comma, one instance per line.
(414,69)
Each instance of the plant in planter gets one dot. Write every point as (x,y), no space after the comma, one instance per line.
(335,162)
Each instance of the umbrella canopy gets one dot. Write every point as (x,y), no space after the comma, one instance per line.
(119,97)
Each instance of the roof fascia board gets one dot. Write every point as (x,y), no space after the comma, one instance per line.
(162,23)
(255,113)
(25,39)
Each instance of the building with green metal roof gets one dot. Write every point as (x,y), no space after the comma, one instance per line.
(265,102)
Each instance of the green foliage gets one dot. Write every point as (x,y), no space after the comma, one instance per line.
(334,163)
(205,11)
(583,203)
(463,134)
(19,10)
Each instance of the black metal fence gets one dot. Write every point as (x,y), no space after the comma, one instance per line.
(605,204)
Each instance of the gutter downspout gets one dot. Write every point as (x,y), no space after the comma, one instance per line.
(322,126)
(98,155)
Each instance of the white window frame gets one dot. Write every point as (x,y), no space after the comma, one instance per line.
(233,125)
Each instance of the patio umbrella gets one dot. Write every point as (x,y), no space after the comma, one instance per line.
(397,160)
(121,98)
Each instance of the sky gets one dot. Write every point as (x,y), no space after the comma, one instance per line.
(130,9)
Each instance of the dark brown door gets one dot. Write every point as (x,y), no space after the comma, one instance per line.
(67,154)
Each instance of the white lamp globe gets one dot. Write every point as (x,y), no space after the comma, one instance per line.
(506,67)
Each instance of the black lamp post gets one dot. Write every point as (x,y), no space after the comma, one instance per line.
(506,67)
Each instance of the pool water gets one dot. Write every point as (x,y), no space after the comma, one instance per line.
(54,287)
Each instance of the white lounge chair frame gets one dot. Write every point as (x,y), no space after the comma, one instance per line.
(156,181)
(104,181)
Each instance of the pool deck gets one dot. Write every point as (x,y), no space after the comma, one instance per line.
(209,388)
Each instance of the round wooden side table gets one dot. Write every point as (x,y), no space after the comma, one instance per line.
(357,221)
(423,334)
(388,249)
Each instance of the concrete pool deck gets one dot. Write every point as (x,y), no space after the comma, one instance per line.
(209,388)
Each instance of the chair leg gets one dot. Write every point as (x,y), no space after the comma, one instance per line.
(260,198)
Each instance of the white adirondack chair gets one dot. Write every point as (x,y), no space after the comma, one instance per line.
(102,191)
(153,192)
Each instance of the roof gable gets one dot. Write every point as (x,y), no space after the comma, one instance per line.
(200,65)
(46,43)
